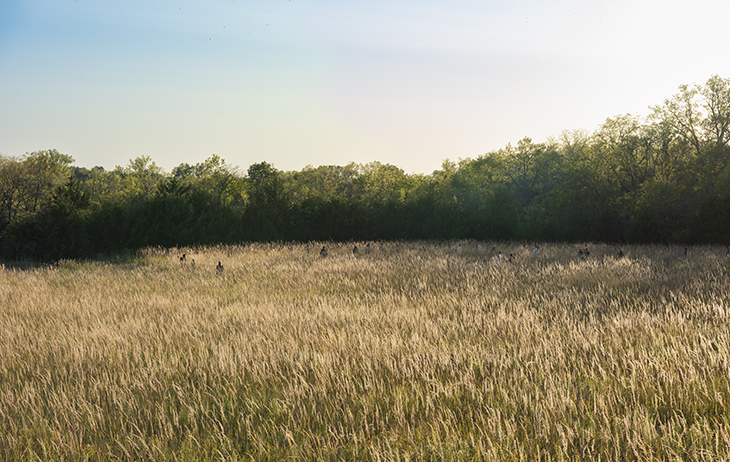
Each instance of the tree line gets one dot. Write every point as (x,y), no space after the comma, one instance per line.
(664,178)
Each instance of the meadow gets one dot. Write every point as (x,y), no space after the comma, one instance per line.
(409,352)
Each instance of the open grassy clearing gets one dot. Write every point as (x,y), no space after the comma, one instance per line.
(410,353)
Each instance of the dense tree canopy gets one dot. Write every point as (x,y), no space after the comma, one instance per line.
(662,179)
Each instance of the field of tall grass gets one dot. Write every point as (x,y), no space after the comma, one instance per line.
(409,352)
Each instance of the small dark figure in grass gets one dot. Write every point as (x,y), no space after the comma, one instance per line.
(511,258)
(182,259)
(620,253)
(323,252)
(354,251)
(219,268)
(580,252)
(685,252)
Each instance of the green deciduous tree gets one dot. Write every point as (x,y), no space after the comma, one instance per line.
(267,203)
(139,178)
(27,184)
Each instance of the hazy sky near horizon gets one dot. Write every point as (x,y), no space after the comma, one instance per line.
(298,83)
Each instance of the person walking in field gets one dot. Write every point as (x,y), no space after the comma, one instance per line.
(536,251)
(620,253)
(354,251)
(458,248)
(323,252)
(511,258)
(219,268)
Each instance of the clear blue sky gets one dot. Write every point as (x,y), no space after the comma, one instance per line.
(297,82)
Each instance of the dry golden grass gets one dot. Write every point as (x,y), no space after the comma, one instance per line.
(408,353)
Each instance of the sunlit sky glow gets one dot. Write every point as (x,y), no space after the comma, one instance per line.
(299,83)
